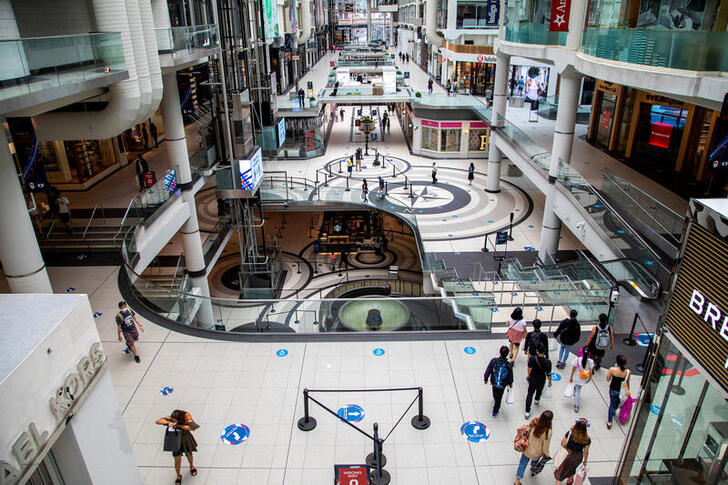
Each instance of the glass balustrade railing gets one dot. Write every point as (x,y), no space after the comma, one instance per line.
(635,276)
(694,50)
(632,245)
(33,64)
(181,41)
(532,33)
(160,192)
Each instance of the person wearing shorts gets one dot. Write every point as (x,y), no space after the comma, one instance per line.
(126,323)
(516,332)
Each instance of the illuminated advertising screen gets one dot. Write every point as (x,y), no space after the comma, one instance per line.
(281,131)
(251,171)
(660,134)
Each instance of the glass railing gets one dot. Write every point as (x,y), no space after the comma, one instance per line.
(215,238)
(365,62)
(160,192)
(548,107)
(635,276)
(530,33)
(33,64)
(182,41)
(695,50)
(608,219)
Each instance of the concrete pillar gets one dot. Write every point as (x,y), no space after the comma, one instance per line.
(180,161)
(20,255)
(569,84)
(577,14)
(452,14)
(498,115)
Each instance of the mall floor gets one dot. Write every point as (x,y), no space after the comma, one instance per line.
(260,386)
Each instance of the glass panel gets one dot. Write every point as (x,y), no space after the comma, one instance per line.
(527,22)
(430,139)
(182,41)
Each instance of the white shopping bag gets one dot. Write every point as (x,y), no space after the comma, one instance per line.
(569,391)
(553,345)
(580,477)
(547,394)
(509,396)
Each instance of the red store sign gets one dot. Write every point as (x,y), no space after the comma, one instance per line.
(351,474)
(660,134)
(560,16)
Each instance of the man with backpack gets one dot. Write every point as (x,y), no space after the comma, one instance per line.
(568,333)
(500,374)
(600,338)
(534,338)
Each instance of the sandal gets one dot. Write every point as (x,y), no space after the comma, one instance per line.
(193,471)
(178,481)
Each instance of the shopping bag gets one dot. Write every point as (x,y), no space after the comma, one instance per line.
(520,443)
(626,410)
(172,440)
(569,391)
(547,394)
(624,392)
(580,477)
(509,396)
(538,467)
(560,456)
(553,345)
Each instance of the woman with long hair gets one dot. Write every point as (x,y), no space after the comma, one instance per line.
(182,420)
(516,332)
(616,375)
(582,369)
(539,442)
(471,173)
(576,443)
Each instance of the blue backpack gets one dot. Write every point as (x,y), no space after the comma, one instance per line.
(500,374)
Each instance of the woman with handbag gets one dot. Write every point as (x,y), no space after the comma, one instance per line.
(574,452)
(582,369)
(516,332)
(180,426)
(617,377)
(539,442)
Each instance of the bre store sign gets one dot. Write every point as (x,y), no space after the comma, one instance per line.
(698,311)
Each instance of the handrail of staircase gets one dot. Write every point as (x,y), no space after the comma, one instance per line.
(123,219)
(90,219)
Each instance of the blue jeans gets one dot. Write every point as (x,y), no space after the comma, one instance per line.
(613,404)
(564,353)
(522,466)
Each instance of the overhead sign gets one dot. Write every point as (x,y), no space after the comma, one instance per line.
(251,171)
(270,16)
(698,312)
(492,13)
(559,21)
(351,474)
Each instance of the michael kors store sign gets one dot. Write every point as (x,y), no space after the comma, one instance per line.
(698,311)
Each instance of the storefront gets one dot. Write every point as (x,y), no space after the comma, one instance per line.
(450,139)
(60,417)
(470,67)
(680,432)
(606,115)
(474,77)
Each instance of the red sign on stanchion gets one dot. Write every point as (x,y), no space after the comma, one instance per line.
(351,474)
(560,16)
(149,178)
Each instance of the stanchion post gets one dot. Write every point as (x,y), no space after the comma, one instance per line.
(485,244)
(306,423)
(386,188)
(630,340)
(377,460)
(405,182)
(510,229)
(420,421)
(298,267)
(394,172)
(347,185)
(339,166)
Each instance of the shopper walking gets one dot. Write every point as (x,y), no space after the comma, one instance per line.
(342,114)
(471,173)
(64,213)
(499,374)
(520,86)
(539,443)
(567,334)
(516,332)
(364,190)
(349,166)
(358,157)
(616,376)
(126,323)
(575,443)
(582,369)
(381,186)
(448,87)
(534,338)
(429,85)
(600,338)
(182,420)
(140,166)
(153,132)
(389,125)
(145,135)
(434,173)
(539,371)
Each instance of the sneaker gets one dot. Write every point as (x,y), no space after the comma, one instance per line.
(137,359)
(495,414)
(536,402)
(527,415)
(576,409)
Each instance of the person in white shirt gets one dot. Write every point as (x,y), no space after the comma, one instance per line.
(582,369)
(64,213)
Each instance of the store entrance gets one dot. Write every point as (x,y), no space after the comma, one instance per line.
(682,429)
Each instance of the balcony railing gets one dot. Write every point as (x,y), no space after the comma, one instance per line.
(530,33)
(33,64)
(694,50)
(182,41)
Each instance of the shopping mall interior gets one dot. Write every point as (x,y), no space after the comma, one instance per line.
(263,242)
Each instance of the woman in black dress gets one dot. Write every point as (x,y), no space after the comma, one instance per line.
(576,442)
(180,419)
(471,173)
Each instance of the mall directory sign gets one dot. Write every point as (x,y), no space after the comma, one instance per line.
(698,311)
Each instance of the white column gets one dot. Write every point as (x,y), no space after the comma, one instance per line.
(569,83)
(20,255)
(452,14)
(180,161)
(498,115)
(576,24)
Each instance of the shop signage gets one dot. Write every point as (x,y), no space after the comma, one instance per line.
(351,474)
(660,134)
(698,311)
(607,87)
(281,131)
(483,142)
(451,124)
(296,58)
(719,154)
(657,99)
(492,13)
(560,16)
(251,171)
(30,443)
(270,18)
(605,120)
(433,124)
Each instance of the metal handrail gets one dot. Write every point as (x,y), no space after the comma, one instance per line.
(90,219)
(123,219)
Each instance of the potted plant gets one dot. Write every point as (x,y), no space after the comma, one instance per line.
(418,94)
(313,101)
